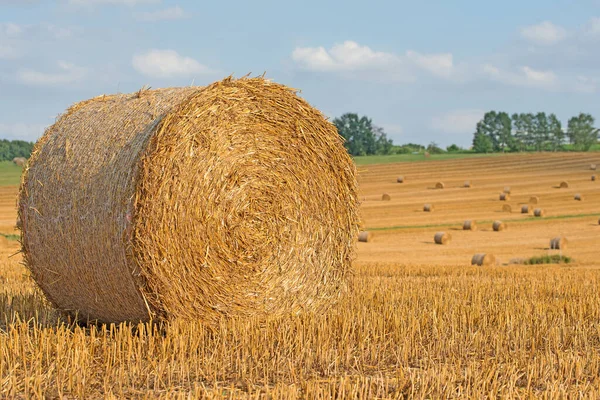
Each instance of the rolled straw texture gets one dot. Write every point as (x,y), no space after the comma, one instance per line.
(236,199)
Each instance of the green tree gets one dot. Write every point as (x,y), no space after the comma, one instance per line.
(540,131)
(557,136)
(482,143)
(361,136)
(503,132)
(581,132)
(453,148)
(520,134)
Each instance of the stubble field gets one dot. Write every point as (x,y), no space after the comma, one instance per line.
(418,322)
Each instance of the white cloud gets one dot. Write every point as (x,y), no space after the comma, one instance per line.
(129,3)
(7,52)
(353,57)
(524,76)
(10,29)
(166,64)
(21,131)
(438,64)
(172,13)
(457,121)
(592,28)
(67,73)
(348,56)
(544,33)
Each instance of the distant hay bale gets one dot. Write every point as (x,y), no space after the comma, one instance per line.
(593,178)
(507,189)
(483,259)
(593,167)
(499,226)
(564,185)
(386,197)
(467,184)
(539,212)
(559,243)
(20,161)
(400,179)
(365,236)
(504,196)
(440,185)
(534,200)
(233,200)
(578,197)
(428,208)
(442,238)
(427,155)
(469,225)
(525,210)
(507,208)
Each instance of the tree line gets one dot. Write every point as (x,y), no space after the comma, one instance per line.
(10,149)
(499,132)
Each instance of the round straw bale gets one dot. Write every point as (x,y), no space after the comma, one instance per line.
(559,243)
(539,212)
(469,225)
(386,197)
(504,196)
(593,167)
(534,200)
(593,178)
(506,189)
(506,208)
(20,161)
(236,199)
(578,197)
(467,184)
(525,210)
(499,226)
(442,238)
(365,236)
(440,185)
(427,155)
(564,185)
(482,259)
(428,208)
(400,179)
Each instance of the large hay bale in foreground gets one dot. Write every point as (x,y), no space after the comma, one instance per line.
(559,243)
(236,199)
(365,236)
(469,225)
(483,259)
(442,238)
(499,226)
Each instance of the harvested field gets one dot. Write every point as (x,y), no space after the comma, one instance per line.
(419,322)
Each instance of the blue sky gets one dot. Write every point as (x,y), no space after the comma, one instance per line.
(424,71)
